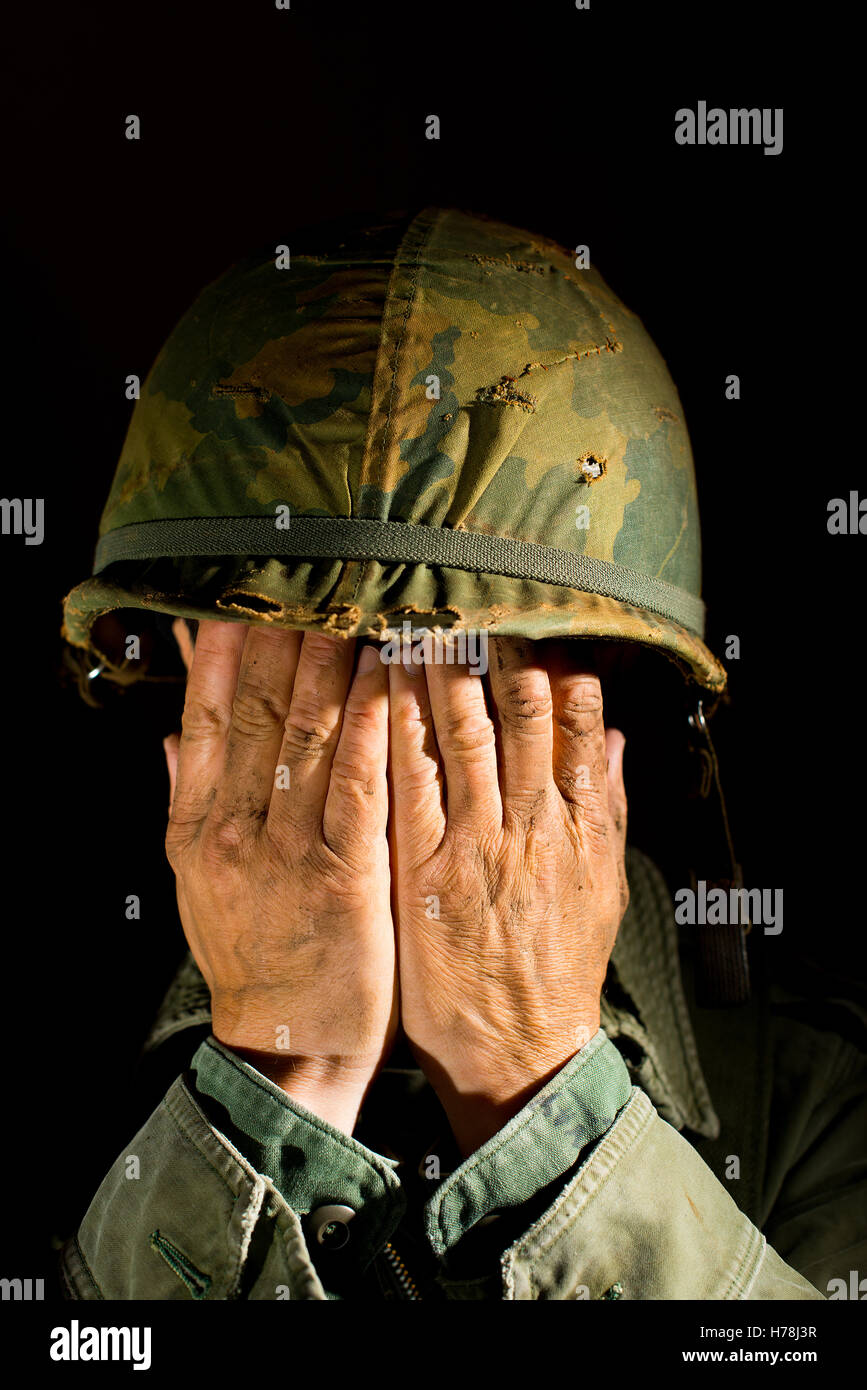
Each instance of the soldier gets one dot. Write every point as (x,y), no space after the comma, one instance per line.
(446,1046)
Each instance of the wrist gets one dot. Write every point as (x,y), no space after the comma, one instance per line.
(332,1090)
(483,1093)
(475,1115)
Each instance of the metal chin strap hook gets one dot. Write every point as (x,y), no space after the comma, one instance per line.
(697,720)
(698,723)
(722,965)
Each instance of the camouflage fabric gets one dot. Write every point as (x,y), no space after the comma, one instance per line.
(454,388)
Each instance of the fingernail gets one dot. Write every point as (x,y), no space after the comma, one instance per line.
(619,750)
(410,667)
(367,660)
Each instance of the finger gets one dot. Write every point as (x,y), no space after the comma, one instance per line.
(259,709)
(418,809)
(522,694)
(614,746)
(465,737)
(206,719)
(579,741)
(170,748)
(356,806)
(311,732)
(615,743)
(184,640)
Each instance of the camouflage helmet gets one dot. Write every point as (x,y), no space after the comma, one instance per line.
(438,419)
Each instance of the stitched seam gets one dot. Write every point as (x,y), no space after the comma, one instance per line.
(86,1267)
(577,1214)
(69,1291)
(543,1247)
(295,1252)
(248,1220)
(193,1278)
(757,1264)
(283,1213)
(190,1141)
(743,1258)
(378,1230)
(248,1174)
(507,1272)
(398,345)
(745,1251)
(525,1245)
(384,1222)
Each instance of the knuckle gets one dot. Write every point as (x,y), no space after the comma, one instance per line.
(469,733)
(322,651)
(355,775)
(595,830)
(525,804)
(305,734)
(418,778)
(525,709)
(469,866)
(223,843)
(581,712)
(257,710)
(413,723)
(573,781)
(414,718)
(366,719)
(583,692)
(203,719)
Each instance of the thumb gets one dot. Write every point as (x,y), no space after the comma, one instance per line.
(170,748)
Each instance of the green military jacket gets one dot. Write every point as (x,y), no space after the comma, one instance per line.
(683,1153)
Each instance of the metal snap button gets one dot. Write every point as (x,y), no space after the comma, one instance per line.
(330,1225)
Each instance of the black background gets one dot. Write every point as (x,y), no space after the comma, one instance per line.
(255,122)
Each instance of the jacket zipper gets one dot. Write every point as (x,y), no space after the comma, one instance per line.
(400,1272)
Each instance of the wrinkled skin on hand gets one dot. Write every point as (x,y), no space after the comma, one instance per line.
(508,840)
(283,891)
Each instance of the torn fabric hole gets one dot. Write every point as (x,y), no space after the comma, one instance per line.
(505,392)
(592,467)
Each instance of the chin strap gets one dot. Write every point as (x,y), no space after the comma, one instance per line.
(722,967)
